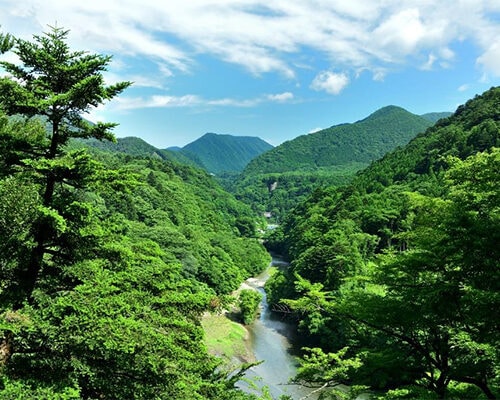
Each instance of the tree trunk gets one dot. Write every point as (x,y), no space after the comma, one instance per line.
(486,390)
(30,276)
(6,348)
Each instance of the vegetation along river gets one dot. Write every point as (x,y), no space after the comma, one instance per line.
(271,341)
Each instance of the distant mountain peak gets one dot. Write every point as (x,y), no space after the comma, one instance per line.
(383,112)
(225,153)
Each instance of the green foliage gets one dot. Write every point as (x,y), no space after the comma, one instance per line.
(6,42)
(436,116)
(331,367)
(248,303)
(278,193)
(246,226)
(474,127)
(401,267)
(58,85)
(186,211)
(136,147)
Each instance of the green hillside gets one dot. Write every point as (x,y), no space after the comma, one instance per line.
(280,178)
(359,142)
(436,116)
(225,153)
(135,146)
(394,279)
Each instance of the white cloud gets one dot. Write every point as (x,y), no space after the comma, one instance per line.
(157,101)
(429,63)
(314,130)
(330,82)
(281,97)
(266,36)
(125,103)
(228,102)
(138,80)
(400,32)
(464,87)
(490,59)
(379,74)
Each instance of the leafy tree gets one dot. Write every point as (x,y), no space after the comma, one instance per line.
(246,226)
(450,276)
(249,301)
(100,289)
(6,42)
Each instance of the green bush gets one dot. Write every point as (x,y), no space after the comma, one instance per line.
(249,301)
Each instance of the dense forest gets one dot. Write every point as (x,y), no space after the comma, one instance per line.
(281,178)
(362,141)
(111,252)
(394,279)
(107,261)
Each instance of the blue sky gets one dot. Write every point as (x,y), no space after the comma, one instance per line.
(273,68)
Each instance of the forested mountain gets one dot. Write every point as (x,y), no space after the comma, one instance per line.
(359,142)
(278,179)
(436,116)
(225,153)
(213,152)
(394,279)
(135,146)
(107,261)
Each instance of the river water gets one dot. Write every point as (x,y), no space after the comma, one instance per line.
(271,340)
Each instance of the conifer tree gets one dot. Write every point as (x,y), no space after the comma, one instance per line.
(58,86)
(6,42)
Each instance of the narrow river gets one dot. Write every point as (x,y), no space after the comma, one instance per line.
(271,341)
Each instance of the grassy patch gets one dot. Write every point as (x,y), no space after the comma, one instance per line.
(226,338)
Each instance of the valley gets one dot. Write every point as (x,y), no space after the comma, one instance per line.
(132,272)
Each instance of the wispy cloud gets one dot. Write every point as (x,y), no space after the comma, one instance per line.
(281,97)
(190,100)
(464,87)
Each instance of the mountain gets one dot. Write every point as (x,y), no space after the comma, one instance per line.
(472,128)
(359,142)
(137,147)
(174,148)
(222,153)
(436,116)
(213,152)
(279,179)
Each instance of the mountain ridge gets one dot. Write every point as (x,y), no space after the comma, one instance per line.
(225,153)
(362,141)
